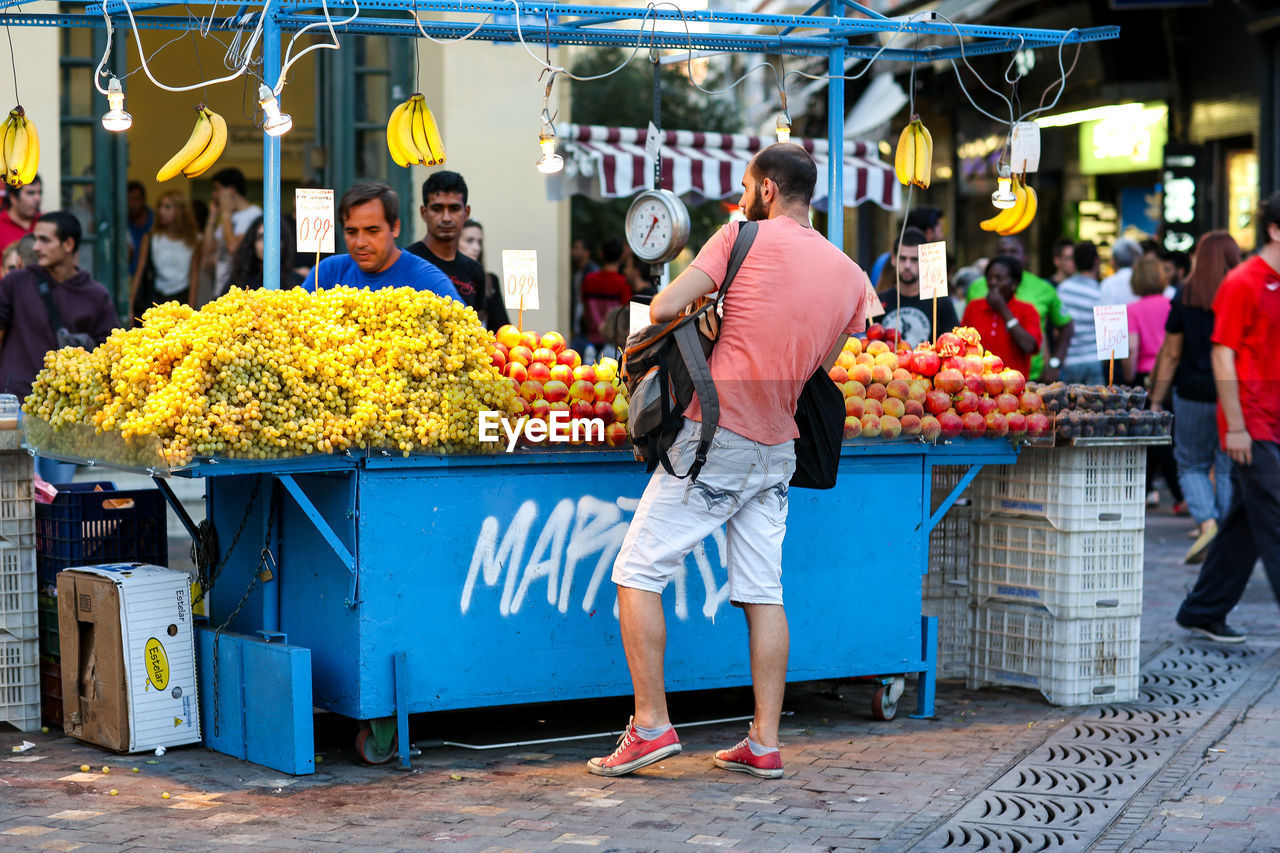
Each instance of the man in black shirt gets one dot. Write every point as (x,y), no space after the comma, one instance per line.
(445,210)
(905,311)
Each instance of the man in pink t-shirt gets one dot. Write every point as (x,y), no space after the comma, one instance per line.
(790,308)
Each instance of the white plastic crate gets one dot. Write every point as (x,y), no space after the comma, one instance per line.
(19,615)
(954,624)
(1072,488)
(17,508)
(1073,575)
(946,478)
(949,553)
(1070,661)
(19,683)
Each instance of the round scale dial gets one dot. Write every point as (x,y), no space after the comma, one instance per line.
(657,226)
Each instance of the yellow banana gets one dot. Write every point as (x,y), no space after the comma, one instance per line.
(433,134)
(404,135)
(18,156)
(31,163)
(196,143)
(420,131)
(394,144)
(1009,216)
(6,145)
(1028,214)
(212,151)
(904,158)
(924,155)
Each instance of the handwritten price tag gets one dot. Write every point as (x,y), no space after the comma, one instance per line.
(520,279)
(933,270)
(875,307)
(314,211)
(1111,325)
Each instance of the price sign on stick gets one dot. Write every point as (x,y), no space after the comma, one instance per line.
(520,279)
(638,317)
(933,270)
(1111,325)
(874,307)
(314,210)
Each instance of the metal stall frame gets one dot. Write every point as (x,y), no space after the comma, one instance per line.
(550,24)
(558,24)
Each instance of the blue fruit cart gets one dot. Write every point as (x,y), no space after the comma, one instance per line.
(380,586)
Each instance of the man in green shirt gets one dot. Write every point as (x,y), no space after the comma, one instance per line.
(1040,293)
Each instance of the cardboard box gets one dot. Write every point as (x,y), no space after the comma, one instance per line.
(128,656)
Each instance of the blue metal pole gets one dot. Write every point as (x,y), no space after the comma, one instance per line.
(835,140)
(271,161)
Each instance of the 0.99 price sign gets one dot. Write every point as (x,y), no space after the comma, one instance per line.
(314,212)
(520,279)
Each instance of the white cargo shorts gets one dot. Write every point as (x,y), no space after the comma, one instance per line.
(742,486)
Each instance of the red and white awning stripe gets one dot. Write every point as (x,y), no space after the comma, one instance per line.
(610,162)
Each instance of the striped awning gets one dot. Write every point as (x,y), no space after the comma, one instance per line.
(610,162)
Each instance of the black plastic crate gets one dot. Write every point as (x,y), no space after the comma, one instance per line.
(92,523)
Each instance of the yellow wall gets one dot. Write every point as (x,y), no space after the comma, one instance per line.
(487,99)
(36,56)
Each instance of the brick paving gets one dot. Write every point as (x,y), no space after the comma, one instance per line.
(851,783)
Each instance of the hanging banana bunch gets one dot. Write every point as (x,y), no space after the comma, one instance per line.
(412,135)
(20,148)
(1014,220)
(913,160)
(202,149)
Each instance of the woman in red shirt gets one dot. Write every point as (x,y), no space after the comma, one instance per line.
(1009,327)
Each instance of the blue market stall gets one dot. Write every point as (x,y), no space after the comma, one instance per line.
(376,586)
(379,586)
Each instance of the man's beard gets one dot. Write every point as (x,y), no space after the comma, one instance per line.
(908,278)
(757,211)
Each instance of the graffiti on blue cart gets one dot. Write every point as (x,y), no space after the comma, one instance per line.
(574,546)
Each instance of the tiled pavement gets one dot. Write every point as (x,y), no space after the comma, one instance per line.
(851,784)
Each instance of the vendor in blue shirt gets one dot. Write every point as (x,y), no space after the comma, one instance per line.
(370,215)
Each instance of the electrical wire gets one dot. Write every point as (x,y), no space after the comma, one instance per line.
(870,60)
(417,21)
(17,99)
(1063,73)
(562,70)
(142,55)
(289,60)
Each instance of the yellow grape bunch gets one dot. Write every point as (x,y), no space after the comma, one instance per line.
(261,374)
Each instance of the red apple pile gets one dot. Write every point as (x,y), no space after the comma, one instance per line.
(952,389)
(550,377)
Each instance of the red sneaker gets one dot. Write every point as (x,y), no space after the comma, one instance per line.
(634,752)
(742,759)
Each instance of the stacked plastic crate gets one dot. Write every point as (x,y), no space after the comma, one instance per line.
(1056,576)
(946,585)
(88,524)
(19,640)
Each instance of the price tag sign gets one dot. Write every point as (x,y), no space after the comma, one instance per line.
(933,270)
(520,279)
(638,317)
(1024,149)
(1111,326)
(314,211)
(874,307)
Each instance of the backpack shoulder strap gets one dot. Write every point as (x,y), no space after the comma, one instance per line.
(741,245)
(46,293)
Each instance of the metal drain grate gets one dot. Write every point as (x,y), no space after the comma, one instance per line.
(1065,793)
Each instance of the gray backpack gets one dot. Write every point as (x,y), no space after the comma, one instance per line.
(665,364)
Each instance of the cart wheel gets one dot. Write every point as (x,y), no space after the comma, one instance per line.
(882,707)
(368,750)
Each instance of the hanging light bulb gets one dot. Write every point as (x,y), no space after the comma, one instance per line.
(782,126)
(115,118)
(550,162)
(1003,198)
(277,123)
